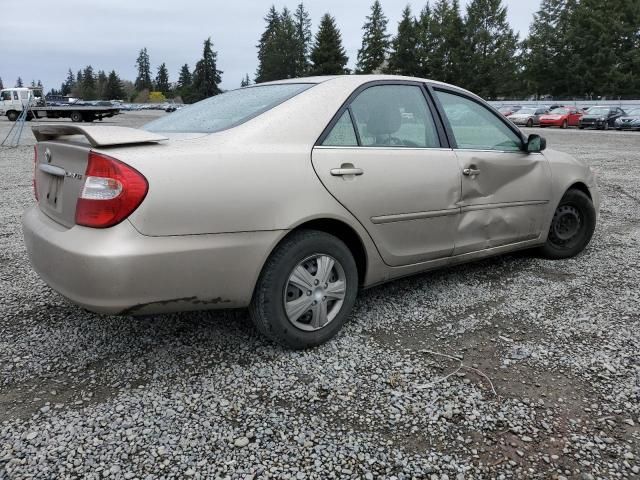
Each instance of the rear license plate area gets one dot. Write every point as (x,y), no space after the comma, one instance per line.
(54,193)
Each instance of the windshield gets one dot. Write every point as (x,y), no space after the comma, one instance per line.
(598,110)
(227,109)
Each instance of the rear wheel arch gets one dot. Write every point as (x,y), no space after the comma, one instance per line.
(342,231)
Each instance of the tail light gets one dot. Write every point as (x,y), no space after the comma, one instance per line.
(112,191)
(35,169)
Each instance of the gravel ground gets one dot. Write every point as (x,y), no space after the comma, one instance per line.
(514,367)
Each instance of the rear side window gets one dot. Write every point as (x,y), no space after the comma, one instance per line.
(342,134)
(475,127)
(227,109)
(394,116)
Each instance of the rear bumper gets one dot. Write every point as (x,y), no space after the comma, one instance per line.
(120,271)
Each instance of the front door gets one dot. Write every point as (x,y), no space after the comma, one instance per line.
(384,161)
(505,191)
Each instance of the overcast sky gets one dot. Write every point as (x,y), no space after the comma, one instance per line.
(41,40)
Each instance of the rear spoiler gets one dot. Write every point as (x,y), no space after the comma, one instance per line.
(98,136)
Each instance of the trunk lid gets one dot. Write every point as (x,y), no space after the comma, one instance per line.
(62,155)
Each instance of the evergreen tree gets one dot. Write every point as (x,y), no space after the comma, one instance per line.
(279,47)
(603,39)
(68,84)
(143,80)
(79,78)
(1,84)
(19,83)
(162,79)
(206,76)
(287,46)
(447,50)
(403,58)
(493,47)
(426,42)
(268,63)
(101,84)
(88,86)
(303,40)
(546,55)
(39,84)
(113,89)
(375,41)
(183,87)
(328,56)
(33,84)
(245,81)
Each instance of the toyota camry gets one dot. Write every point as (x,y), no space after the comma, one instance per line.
(288,197)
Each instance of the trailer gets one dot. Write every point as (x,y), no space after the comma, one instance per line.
(14,100)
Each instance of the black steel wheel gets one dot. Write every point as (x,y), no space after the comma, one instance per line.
(572,226)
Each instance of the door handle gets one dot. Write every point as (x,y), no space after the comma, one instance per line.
(340,172)
(470,171)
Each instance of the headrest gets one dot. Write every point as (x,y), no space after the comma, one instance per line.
(383,119)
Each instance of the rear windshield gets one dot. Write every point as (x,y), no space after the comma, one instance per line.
(226,110)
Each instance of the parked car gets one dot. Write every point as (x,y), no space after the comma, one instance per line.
(528,116)
(288,197)
(561,117)
(508,110)
(601,117)
(630,120)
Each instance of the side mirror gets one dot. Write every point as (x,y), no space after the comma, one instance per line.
(535,143)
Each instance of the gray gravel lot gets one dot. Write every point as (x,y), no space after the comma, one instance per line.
(201,395)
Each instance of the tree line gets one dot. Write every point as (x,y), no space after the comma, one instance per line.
(574,49)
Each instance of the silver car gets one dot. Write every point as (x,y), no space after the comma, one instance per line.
(288,197)
(528,117)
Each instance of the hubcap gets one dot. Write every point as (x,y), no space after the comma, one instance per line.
(315,292)
(566,224)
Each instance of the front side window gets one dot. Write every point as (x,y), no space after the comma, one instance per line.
(394,116)
(475,127)
(227,109)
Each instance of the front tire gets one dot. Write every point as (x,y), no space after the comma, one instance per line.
(12,116)
(565,125)
(306,290)
(530,123)
(572,227)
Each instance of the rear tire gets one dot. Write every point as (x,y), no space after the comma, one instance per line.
(572,226)
(76,117)
(274,307)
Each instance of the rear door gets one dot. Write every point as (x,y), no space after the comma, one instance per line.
(384,159)
(504,189)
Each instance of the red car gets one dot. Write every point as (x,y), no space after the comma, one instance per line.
(562,117)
